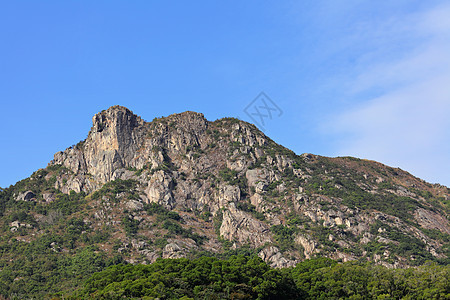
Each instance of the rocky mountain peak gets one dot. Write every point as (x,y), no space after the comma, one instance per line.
(112,142)
(189,121)
(117,119)
(231,180)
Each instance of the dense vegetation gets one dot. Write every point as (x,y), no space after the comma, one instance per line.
(325,279)
(41,269)
(248,277)
(53,249)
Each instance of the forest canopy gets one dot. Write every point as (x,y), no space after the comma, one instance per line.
(249,277)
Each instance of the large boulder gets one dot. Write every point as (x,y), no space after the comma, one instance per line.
(26,196)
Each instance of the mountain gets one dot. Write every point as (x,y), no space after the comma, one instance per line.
(183,186)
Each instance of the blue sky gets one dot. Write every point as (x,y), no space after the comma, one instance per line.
(363,78)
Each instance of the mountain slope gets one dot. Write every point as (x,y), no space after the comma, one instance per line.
(182,186)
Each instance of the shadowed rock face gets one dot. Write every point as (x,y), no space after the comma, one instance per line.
(26,196)
(250,185)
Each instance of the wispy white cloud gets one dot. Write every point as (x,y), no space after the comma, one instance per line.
(408,124)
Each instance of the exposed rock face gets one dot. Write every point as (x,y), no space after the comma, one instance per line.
(159,189)
(26,196)
(228,194)
(309,246)
(133,205)
(229,181)
(173,250)
(432,220)
(275,259)
(48,197)
(177,249)
(240,226)
(119,139)
(16,225)
(112,143)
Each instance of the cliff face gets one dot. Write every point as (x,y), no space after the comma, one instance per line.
(231,186)
(111,145)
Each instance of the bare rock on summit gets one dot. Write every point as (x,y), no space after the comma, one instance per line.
(112,143)
(119,139)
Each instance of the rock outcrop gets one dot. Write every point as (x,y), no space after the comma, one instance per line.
(112,144)
(243,228)
(26,196)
